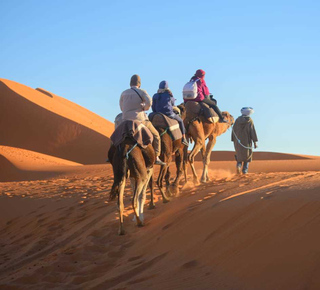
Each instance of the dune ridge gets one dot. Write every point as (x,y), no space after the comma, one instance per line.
(52,126)
(20,164)
(217,155)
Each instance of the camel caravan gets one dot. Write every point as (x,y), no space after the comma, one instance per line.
(139,141)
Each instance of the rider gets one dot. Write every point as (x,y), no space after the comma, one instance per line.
(133,104)
(163,102)
(204,95)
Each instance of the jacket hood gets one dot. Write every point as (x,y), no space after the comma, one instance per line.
(244,120)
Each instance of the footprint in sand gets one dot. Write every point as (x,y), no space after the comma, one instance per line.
(135,258)
(190,264)
(167,226)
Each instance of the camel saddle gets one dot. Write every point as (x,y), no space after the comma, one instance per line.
(196,109)
(132,129)
(171,126)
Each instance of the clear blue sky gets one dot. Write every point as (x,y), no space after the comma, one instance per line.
(265,55)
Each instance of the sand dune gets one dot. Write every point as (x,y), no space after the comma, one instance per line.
(58,230)
(31,120)
(258,231)
(19,164)
(229,156)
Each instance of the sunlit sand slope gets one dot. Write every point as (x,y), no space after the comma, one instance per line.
(32,120)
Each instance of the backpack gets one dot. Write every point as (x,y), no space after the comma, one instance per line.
(190,90)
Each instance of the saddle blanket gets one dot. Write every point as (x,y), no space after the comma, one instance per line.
(133,129)
(193,110)
(159,120)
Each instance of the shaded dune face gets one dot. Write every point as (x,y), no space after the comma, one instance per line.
(9,172)
(27,125)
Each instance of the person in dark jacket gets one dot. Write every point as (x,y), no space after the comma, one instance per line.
(163,102)
(204,94)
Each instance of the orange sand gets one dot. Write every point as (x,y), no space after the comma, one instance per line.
(258,231)
(31,120)
(58,230)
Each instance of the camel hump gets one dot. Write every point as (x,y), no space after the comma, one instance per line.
(196,109)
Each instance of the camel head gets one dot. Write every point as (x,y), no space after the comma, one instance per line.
(229,117)
(223,127)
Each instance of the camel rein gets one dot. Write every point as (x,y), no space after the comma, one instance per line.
(164,132)
(250,148)
(128,153)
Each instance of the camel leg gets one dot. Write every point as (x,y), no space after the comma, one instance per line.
(206,158)
(151,186)
(143,195)
(185,160)
(162,173)
(139,184)
(179,165)
(167,180)
(196,148)
(121,205)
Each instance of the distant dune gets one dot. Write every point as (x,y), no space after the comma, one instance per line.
(43,122)
(230,156)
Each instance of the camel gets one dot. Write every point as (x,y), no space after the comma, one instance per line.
(199,130)
(130,160)
(168,148)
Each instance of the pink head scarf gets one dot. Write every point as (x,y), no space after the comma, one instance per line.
(200,73)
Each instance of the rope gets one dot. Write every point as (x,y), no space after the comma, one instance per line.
(164,132)
(128,153)
(250,148)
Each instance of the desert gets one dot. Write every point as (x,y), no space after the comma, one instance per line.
(59,228)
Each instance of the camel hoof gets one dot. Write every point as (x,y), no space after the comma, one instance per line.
(196,182)
(165,200)
(183,182)
(204,180)
(140,225)
(121,232)
(152,206)
(174,189)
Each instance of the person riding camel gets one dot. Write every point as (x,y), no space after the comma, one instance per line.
(163,102)
(204,94)
(134,103)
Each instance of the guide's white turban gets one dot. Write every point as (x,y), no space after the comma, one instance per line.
(247,111)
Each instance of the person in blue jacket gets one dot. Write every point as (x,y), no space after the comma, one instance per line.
(163,102)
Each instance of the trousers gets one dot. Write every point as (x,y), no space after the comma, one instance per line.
(245,166)
(156,137)
(213,105)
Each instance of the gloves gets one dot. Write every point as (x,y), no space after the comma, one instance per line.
(213,99)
